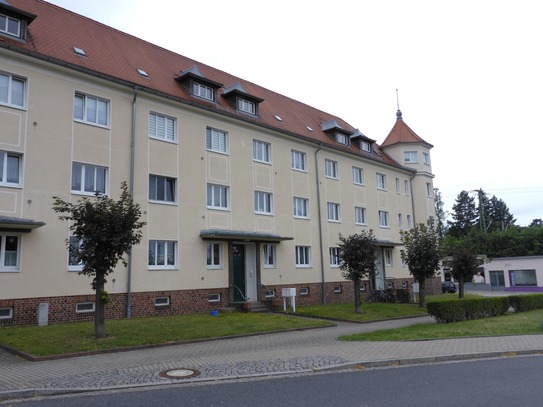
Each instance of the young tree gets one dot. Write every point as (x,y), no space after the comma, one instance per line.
(464,265)
(441,214)
(107,230)
(357,260)
(465,215)
(422,254)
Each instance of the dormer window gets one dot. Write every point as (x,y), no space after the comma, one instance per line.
(10,25)
(198,85)
(365,146)
(366,143)
(342,139)
(334,130)
(242,100)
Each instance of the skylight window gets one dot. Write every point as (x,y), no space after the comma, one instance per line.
(278,118)
(143,73)
(310,129)
(80,51)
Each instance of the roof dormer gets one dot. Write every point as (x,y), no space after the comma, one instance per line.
(337,132)
(365,143)
(198,85)
(14,21)
(243,101)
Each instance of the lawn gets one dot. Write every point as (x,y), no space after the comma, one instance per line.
(79,337)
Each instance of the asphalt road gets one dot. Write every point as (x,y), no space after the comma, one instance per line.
(490,382)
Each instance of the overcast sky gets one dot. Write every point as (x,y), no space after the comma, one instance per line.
(469,72)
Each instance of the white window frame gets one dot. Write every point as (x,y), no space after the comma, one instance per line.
(406,187)
(85,115)
(360,215)
(216,140)
(246,106)
(14,93)
(164,301)
(303,256)
(202,91)
(388,257)
(263,202)
(269,255)
(333,210)
(365,146)
(218,196)
(298,160)
(6,178)
(384,221)
(261,151)
(358,176)
(429,190)
(269,293)
(300,207)
(400,221)
(398,189)
(214,255)
(86,304)
(162,127)
(74,241)
(342,139)
(6,26)
(408,221)
(13,259)
(169,186)
(331,169)
(83,172)
(381,180)
(426,158)
(411,157)
(304,291)
(9,312)
(335,257)
(214,297)
(169,248)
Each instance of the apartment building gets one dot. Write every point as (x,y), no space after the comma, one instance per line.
(244,191)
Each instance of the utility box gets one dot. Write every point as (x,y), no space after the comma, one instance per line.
(43,314)
(291,294)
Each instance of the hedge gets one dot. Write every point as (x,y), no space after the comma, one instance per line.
(528,302)
(459,310)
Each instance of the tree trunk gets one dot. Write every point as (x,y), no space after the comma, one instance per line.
(99,318)
(422,292)
(461,286)
(357,302)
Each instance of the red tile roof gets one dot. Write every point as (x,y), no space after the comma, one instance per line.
(402,133)
(117,56)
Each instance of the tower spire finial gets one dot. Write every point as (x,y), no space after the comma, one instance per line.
(398,112)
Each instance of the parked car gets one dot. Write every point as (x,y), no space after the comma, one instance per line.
(448,287)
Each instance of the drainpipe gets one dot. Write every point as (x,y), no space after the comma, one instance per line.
(131,191)
(320,224)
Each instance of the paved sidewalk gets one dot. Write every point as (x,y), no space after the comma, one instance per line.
(268,354)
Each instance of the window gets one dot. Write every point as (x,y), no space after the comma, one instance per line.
(88,179)
(216,140)
(383,219)
(261,151)
(214,297)
(400,221)
(298,160)
(398,185)
(304,291)
(162,301)
(161,189)
(333,212)
(360,215)
(217,196)
(162,254)
(429,190)
(202,91)
(10,168)
(91,109)
(301,209)
(82,307)
(12,89)
(388,257)
(269,293)
(6,313)
(9,252)
(10,25)
(263,202)
(338,289)
(426,158)
(519,278)
(246,106)
(214,255)
(334,256)
(410,157)
(269,255)
(408,221)
(406,187)
(358,176)
(74,264)
(161,127)
(303,256)
(330,169)
(381,181)
(342,139)
(365,146)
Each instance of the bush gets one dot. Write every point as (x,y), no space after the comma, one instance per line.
(459,310)
(446,311)
(528,302)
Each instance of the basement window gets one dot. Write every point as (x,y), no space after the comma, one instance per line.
(162,301)
(214,297)
(83,307)
(6,313)
(270,293)
(338,289)
(304,291)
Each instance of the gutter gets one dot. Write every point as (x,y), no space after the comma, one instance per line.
(323,291)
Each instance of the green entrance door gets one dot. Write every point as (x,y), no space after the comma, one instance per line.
(238,257)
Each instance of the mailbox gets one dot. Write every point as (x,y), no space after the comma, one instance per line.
(289,293)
